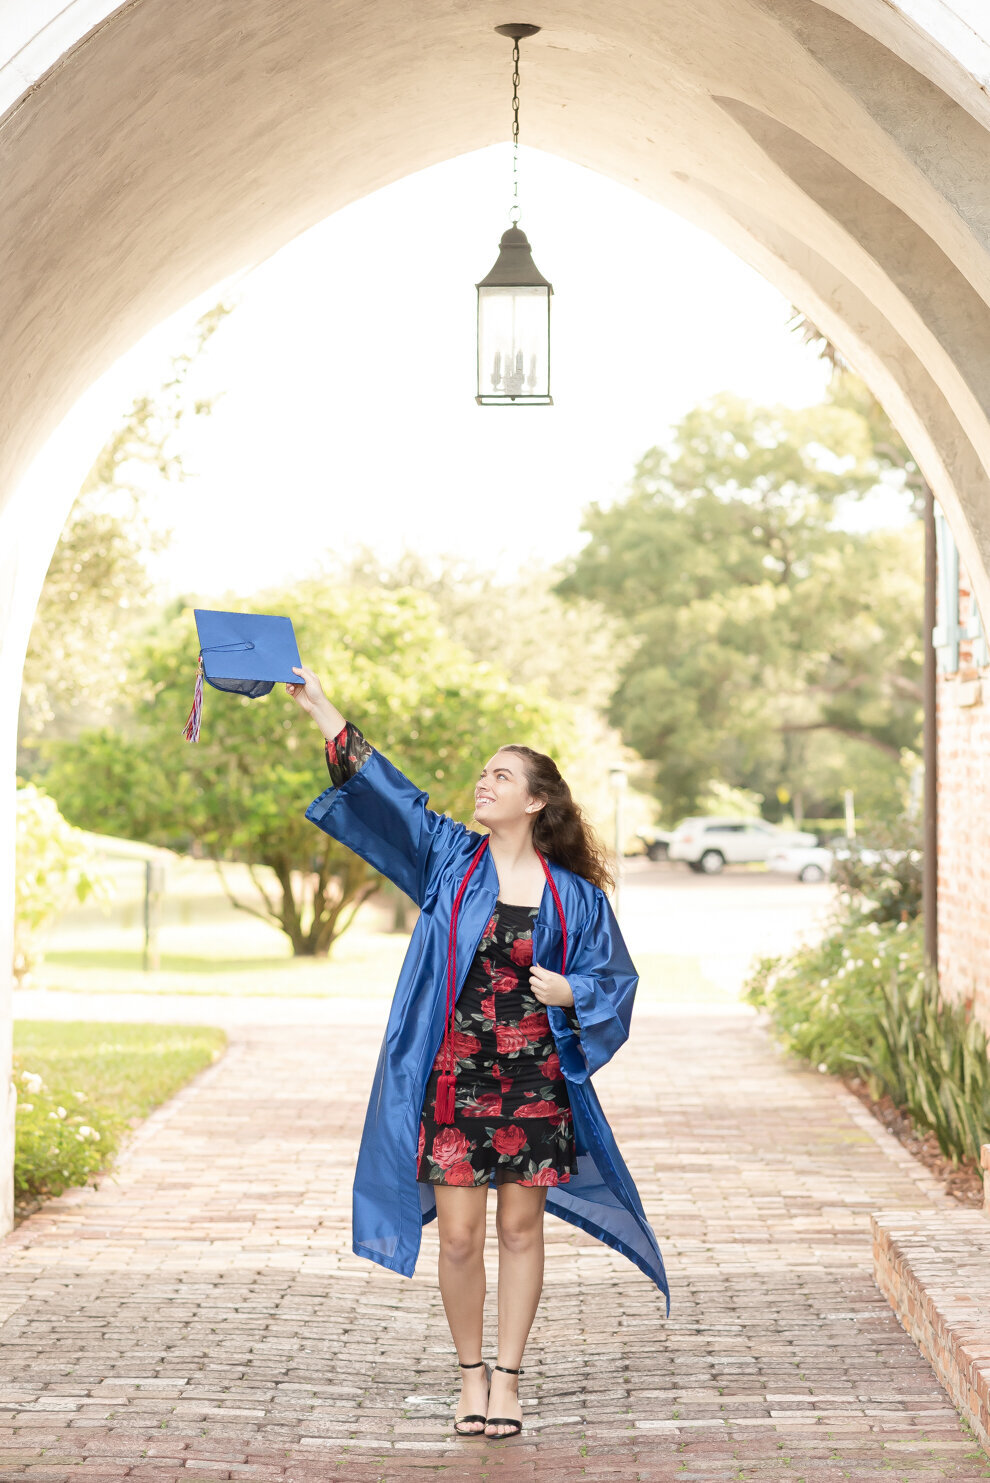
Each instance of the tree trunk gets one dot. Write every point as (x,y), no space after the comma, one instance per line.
(340,885)
(400,911)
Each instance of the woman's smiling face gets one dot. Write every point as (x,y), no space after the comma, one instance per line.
(501,794)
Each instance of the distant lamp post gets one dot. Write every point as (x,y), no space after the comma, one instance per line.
(514,298)
(618,781)
(850,812)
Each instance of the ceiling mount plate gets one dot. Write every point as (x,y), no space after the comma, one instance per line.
(517,30)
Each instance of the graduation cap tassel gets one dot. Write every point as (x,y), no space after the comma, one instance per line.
(193,721)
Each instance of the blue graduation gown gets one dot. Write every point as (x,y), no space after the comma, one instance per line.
(386,820)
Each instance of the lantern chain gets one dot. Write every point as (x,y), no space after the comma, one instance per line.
(514,214)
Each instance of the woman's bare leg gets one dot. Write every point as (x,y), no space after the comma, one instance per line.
(520,1282)
(461,1268)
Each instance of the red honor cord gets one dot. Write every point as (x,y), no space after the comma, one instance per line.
(447,1080)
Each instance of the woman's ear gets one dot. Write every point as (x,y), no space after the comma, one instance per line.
(537,804)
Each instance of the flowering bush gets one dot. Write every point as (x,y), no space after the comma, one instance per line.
(67,1136)
(880,877)
(62,1138)
(823,1000)
(862,1002)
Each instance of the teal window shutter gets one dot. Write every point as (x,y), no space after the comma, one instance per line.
(974,631)
(948,630)
(945,634)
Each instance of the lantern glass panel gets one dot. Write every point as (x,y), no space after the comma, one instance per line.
(514,343)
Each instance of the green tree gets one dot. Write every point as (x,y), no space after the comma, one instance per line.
(97,586)
(760,623)
(523,628)
(521,625)
(850,392)
(241,793)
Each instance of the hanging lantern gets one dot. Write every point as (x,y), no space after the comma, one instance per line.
(514,328)
(514,298)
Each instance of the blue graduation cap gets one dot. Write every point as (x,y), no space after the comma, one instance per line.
(246,653)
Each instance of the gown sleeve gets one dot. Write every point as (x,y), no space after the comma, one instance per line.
(373,809)
(603,981)
(346,754)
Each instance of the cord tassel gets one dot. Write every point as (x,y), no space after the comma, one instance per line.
(194,720)
(446,1100)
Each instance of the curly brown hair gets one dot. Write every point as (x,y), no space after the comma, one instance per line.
(560,830)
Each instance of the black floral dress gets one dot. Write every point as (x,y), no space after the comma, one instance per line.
(512,1118)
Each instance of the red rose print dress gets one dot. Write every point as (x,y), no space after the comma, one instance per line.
(512,1117)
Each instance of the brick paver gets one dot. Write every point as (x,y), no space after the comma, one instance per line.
(200,1317)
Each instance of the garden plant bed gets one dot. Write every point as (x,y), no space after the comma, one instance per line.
(83,1087)
(963,1181)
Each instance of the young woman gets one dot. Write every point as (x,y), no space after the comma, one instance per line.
(515,988)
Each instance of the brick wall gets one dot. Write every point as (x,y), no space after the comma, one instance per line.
(931,1267)
(963,709)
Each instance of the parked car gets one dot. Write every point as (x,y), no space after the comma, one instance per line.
(708,844)
(851,849)
(656,843)
(806,862)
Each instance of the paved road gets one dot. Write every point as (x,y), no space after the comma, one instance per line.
(201,1316)
(724,921)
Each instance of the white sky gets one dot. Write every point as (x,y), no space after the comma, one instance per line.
(347,373)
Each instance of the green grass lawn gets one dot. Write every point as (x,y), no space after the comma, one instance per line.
(83,1084)
(131,1068)
(362,965)
(125,960)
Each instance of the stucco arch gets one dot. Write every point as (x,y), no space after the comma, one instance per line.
(150,148)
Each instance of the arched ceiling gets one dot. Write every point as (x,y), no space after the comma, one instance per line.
(151,148)
(837,146)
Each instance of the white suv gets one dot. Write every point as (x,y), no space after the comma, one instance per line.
(709,844)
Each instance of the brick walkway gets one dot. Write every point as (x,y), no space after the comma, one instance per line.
(201,1318)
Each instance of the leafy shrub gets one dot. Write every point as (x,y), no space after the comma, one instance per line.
(66,1136)
(823,999)
(888,888)
(59,1142)
(932,1060)
(53,866)
(862,1002)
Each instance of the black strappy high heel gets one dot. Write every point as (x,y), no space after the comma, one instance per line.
(517,1426)
(480,1432)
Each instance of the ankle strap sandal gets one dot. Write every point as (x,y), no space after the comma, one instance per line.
(475,1431)
(517,1426)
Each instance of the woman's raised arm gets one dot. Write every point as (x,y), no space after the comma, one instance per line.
(310,698)
(371,806)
